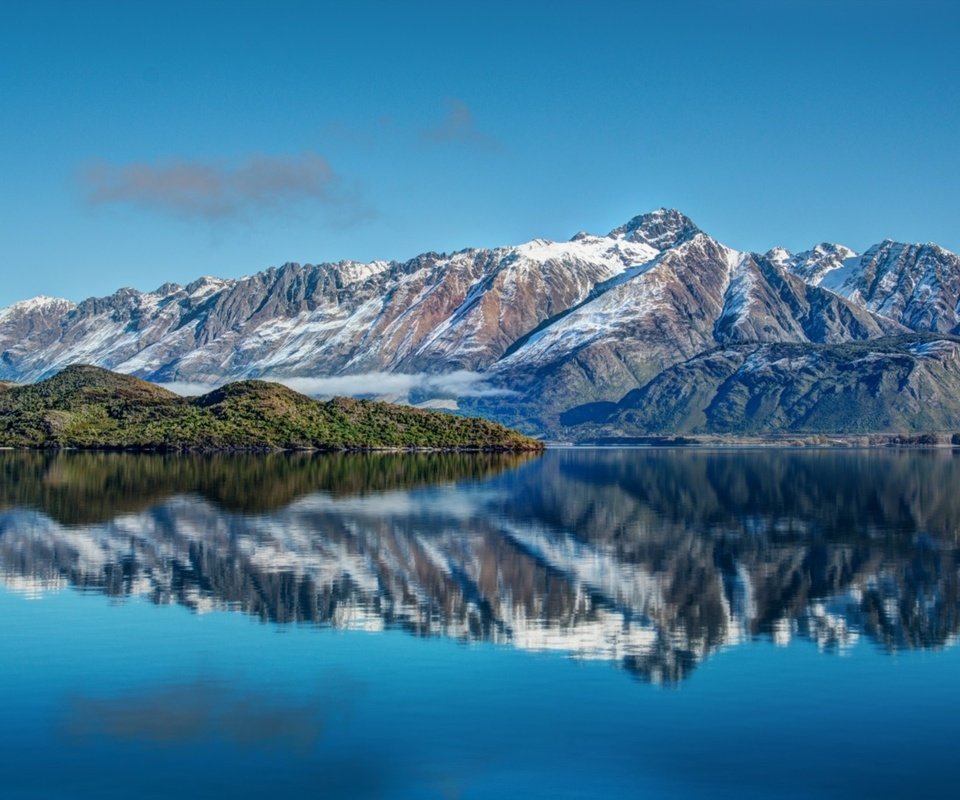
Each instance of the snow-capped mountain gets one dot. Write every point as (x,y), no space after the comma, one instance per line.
(545,326)
(918,285)
(812,265)
(688,300)
(434,313)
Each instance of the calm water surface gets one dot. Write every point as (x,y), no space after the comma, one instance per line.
(589,623)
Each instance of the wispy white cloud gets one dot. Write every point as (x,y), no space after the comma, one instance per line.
(214,190)
(458,384)
(461,383)
(458,126)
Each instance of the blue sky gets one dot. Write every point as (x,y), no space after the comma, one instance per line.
(148,142)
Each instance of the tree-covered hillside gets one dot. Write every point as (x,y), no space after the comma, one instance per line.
(90,407)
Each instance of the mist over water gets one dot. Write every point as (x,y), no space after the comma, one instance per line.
(497,607)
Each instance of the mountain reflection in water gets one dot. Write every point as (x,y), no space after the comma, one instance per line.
(652,559)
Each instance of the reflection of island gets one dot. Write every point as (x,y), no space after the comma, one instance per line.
(652,559)
(83,487)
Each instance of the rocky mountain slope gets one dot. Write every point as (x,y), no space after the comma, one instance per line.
(435,313)
(687,301)
(918,285)
(892,384)
(527,332)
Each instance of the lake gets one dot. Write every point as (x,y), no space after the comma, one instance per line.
(585,623)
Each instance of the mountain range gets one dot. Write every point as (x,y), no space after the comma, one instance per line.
(652,328)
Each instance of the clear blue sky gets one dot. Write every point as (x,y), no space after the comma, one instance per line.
(146,142)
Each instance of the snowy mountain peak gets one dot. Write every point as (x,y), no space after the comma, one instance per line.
(832,249)
(707,250)
(199,288)
(815,264)
(661,229)
(40,306)
(779,256)
(41,303)
(939,250)
(357,271)
(890,248)
(917,285)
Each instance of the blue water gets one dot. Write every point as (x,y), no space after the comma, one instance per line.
(586,624)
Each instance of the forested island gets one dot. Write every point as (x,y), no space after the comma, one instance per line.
(93,408)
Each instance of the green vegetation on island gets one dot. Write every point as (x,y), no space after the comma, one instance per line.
(93,408)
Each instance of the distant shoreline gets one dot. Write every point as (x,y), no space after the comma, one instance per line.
(931,441)
(939,441)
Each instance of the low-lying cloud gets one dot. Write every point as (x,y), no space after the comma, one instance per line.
(394,385)
(189,388)
(214,190)
(461,383)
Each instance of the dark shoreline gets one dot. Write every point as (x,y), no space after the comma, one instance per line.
(202,450)
(945,441)
(812,440)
